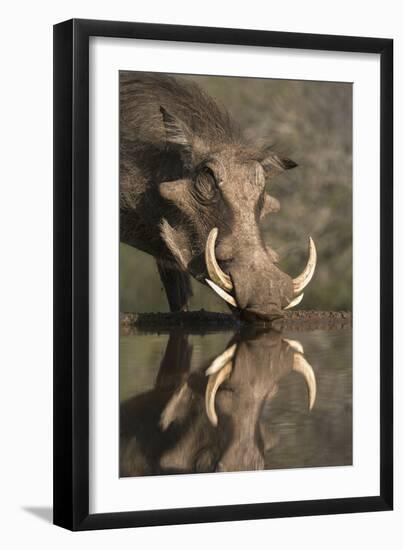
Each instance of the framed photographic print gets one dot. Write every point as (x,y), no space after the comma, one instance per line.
(223,317)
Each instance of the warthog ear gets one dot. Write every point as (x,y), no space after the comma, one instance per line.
(176,131)
(274,164)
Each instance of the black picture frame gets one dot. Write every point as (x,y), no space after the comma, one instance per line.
(71,274)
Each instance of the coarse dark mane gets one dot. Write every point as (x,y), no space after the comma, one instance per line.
(142,94)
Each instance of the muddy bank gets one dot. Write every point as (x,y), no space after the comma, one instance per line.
(315,320)
(208,321)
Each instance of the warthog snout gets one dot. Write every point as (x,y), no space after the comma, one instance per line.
(253,284)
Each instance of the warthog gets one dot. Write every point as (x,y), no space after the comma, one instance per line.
(193,193)
(210,419)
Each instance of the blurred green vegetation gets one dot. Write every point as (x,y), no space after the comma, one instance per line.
(312,123)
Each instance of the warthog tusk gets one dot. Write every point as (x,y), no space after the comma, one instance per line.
(224,295)
(302,366)
(295,302)
(302,280)
(220,361)
(294,344)
(215,272)
(213,385)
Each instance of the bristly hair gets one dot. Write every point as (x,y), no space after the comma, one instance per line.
(143,94)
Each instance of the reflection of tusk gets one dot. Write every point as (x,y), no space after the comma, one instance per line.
(302,366)
(224,295)
(215,272)
(302,280)
(213,384)
(294,344)
(295,302)
(220,361)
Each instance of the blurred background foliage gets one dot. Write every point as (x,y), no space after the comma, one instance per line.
(312,123)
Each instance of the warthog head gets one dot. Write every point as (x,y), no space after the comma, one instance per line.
(221,197)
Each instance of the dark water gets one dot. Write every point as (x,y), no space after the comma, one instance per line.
(250,411)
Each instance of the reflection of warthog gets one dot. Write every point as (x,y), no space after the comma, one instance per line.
(193,193)
(209,420)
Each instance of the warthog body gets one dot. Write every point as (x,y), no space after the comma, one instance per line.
(193,193)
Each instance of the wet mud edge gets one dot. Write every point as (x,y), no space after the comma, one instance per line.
(209,321)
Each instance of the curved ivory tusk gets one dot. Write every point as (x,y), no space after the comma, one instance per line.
(213,385)
(224,295)
(215,272)
(302,366)
(220,361)
(302,280)
(295,302)
(294,344)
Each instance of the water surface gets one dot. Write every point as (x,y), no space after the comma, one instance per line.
(273,400)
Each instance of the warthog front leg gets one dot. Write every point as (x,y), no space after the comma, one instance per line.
(177,286)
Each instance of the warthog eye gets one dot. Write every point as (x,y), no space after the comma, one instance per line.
(205,185)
